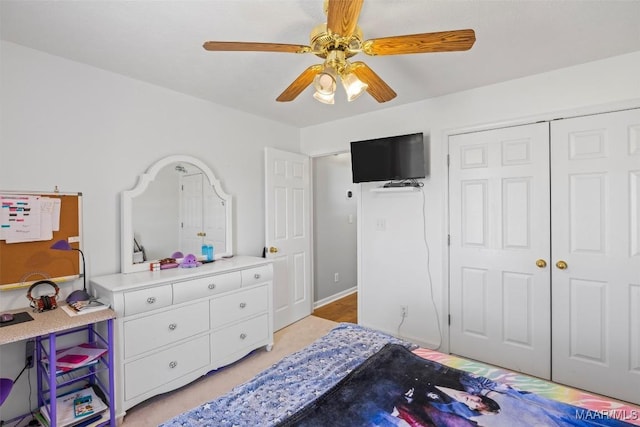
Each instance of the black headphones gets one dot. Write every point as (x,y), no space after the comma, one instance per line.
(44,302)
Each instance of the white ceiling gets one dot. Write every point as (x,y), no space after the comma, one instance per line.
(160,42)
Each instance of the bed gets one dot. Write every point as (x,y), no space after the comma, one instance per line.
(358,376)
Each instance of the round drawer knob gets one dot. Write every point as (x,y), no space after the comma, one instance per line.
(243,336)
(173,364)
(256,276)
(151,300)
(173,326)
(212,286)
(243,304)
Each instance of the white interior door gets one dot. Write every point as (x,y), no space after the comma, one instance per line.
(214,218)
(499,232)
(191,211)
(288,238)
(595,170)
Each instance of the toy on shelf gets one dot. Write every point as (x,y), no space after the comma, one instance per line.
(190,261)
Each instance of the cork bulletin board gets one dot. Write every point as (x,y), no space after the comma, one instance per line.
(23,263)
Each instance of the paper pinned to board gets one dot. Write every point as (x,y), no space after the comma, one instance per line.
(25,218)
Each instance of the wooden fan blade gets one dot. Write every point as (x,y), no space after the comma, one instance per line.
(255,47)
(444,41)
(342,16)
(299,84)
(381,91)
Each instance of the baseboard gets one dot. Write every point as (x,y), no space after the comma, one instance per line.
(334,297)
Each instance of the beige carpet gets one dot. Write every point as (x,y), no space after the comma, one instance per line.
(164,407)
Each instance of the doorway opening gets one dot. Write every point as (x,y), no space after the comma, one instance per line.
(334,236)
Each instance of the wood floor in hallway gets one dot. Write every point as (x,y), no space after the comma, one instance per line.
(342,310)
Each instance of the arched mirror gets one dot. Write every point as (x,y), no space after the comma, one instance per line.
(178,205)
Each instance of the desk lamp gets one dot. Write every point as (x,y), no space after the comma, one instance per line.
(79,294)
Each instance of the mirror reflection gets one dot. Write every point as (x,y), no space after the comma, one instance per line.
(178,212)
(177,206)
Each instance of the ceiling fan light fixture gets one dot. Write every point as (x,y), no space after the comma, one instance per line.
(325,81)
(340,38)
(353,86)
(324,98)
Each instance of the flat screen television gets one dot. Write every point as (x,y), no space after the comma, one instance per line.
(394,158)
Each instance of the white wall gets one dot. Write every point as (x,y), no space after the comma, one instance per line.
(88,130)
(393,262)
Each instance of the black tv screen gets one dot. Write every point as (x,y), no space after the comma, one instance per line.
(388,159)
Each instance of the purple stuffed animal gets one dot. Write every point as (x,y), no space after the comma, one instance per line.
(190,261)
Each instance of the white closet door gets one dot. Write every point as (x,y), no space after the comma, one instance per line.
(595,170)
(499,227)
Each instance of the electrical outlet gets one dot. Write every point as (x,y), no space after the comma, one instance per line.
(30,353)
(404,311)
(336,277)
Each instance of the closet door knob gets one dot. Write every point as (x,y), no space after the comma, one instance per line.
(173,326)
(541,263)
(243,336)
(256,276)
(212,286)
(151,300)
(173,364)
(561,265)
(243,304)
(273,250)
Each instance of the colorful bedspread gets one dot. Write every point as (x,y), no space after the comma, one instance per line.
(291,384)
(396,387)
(601,406)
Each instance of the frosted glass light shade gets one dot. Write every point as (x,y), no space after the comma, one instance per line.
(325,81)
(353,86)
(325,99)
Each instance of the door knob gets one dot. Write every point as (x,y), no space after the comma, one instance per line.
(201,234)
(541,263)
(561,265)
(273,250)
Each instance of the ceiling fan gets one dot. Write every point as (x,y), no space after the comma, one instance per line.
(341,38)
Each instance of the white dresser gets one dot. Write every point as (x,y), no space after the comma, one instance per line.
(175,325)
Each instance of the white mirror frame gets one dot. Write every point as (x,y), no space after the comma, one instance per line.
(126,219)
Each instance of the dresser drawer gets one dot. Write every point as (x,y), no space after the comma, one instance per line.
(147,299)
(205,286)
(257,275)
(237,337)
(158,330)
(237,306)
(145,374)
